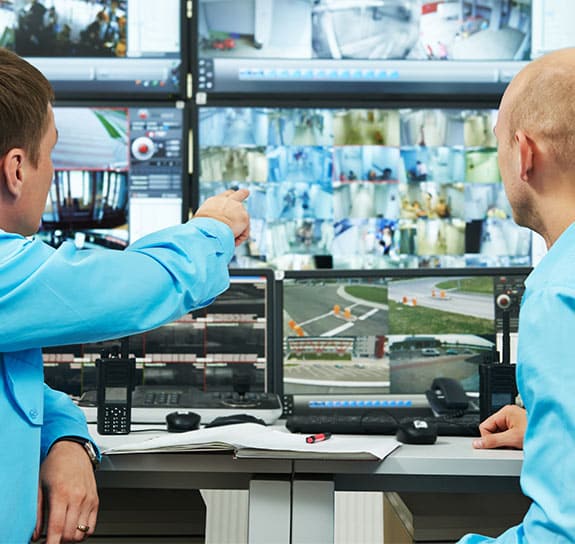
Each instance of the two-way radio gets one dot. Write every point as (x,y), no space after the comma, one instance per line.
(497,384)
(116,380)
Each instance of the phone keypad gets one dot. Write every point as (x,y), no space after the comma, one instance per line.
(114,421)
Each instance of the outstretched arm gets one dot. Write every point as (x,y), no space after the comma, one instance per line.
(505,428)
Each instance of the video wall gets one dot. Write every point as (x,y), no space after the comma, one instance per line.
(111,48)
(368,188)
(416,47)
(269,90)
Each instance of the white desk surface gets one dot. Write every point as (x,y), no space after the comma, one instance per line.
(449,456)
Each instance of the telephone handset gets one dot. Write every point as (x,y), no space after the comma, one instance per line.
(447,396)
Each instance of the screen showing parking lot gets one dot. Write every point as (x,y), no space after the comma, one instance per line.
(390,332)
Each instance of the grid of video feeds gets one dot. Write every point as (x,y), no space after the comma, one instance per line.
(91,46)
(223,347)
(368,188)
(378,334)
(257,46)
(118,175)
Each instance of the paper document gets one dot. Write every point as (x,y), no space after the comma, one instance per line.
(250,440)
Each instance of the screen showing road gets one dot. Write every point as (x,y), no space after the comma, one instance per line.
(386,331)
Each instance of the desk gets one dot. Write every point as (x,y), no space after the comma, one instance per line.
(292,501)
(450,465)
(268,480)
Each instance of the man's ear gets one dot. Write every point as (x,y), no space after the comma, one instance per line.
(12,168)
(526,148)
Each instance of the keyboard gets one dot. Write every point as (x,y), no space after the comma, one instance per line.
(338,423)
(151,404)
(378,423)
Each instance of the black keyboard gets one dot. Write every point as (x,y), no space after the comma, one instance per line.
(337,423)
(377,423)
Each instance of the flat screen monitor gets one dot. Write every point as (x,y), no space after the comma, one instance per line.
(93,48)
(119,173)
(381,48)
(391,332)
(362,187)
(226,346)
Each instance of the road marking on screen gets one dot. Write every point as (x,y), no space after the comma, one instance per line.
(337,330)
(368,314)
(315,319)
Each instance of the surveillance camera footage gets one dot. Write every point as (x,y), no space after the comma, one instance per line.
(223,347)
(118,175)
(337,46)
(378,333)
(372,188)
(98,47)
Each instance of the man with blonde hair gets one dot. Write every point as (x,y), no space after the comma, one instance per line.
(53,297)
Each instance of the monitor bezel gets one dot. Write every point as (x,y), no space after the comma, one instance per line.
(272,321)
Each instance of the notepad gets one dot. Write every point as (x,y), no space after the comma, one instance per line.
(250,440)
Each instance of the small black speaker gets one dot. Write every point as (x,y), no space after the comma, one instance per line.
(497,387)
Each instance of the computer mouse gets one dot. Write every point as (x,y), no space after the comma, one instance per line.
(416,431)
(179,422)
(232,419)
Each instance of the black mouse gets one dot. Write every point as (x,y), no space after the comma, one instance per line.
(416,431)
(179,422)
(233,419)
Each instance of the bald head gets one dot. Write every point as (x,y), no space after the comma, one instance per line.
(540,102)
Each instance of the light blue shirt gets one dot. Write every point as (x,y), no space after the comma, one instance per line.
(546,381)
(67,296)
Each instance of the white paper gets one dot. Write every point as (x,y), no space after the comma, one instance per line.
(252,437)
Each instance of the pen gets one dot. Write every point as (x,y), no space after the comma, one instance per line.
(318,437)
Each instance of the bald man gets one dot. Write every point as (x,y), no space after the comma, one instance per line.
(536,151)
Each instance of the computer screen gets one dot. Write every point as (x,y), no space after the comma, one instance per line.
(362,187)
(391,332)
(120,173)
(226,346)
(91,48)
(378,48)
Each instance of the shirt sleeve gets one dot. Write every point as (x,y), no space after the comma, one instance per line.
(54,297)
(61,418)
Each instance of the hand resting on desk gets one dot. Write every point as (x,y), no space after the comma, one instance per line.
(504,429)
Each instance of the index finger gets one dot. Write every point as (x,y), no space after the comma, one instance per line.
(56,522)
(239,195)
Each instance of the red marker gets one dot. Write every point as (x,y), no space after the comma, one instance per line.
(319,437)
